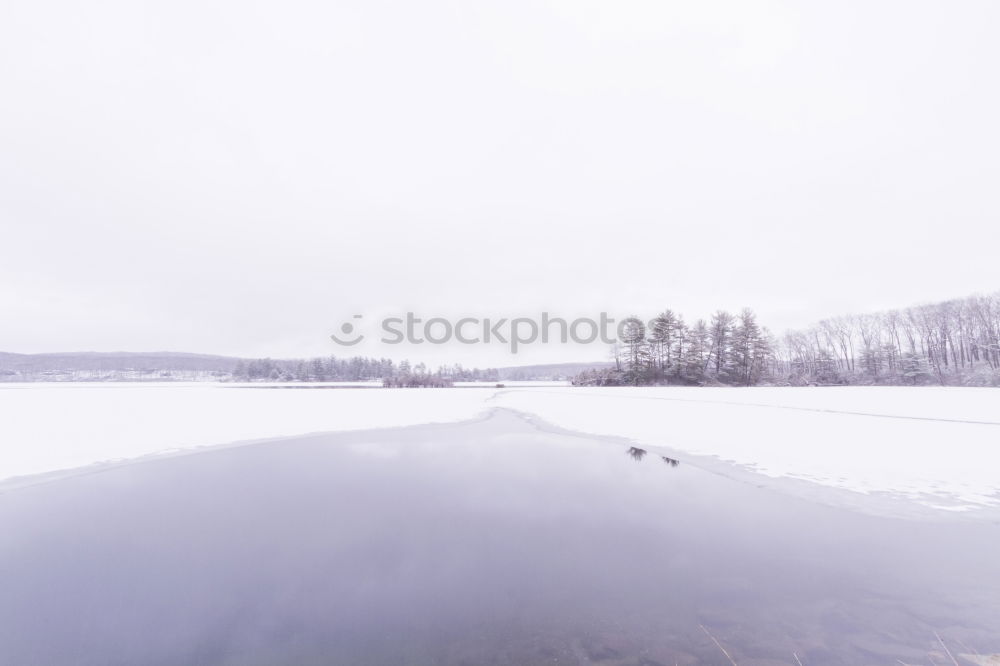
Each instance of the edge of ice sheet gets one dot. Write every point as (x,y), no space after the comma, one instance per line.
(928,454)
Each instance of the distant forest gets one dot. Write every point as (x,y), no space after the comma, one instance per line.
(168,366)
(357,368)
(176,366)
(954,342)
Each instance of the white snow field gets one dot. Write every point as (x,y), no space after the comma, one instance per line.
(48,427)
(939,447)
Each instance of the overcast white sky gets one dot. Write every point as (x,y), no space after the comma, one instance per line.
(239,177)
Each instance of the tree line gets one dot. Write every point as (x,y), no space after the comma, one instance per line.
(954,342)
(357,368)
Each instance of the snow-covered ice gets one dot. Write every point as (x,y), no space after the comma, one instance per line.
(937,446)
(49,427)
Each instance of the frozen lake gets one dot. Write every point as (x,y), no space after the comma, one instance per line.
(492,541)
(887,449)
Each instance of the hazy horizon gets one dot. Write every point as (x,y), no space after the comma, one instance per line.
(532,354)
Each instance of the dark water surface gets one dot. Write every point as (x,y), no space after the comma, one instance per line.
(491,542)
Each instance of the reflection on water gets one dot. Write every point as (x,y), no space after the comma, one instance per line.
(482,543)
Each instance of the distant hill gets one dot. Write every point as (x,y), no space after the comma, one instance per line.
(110,361)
